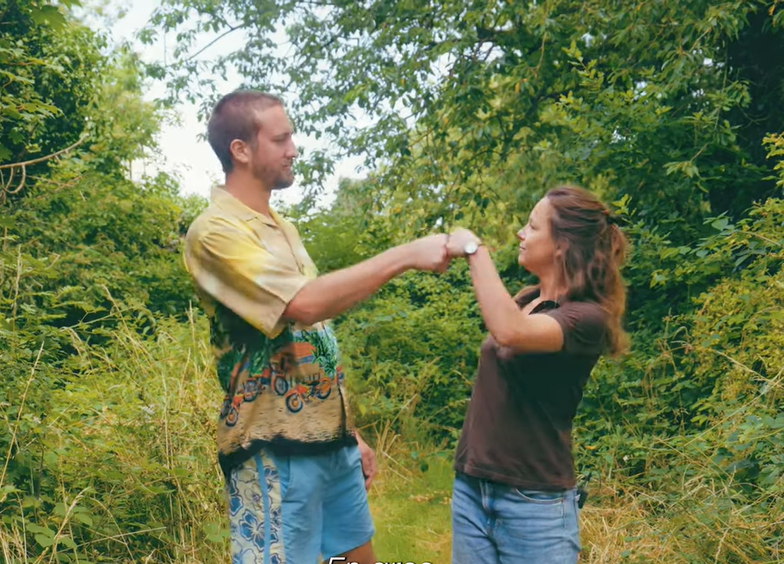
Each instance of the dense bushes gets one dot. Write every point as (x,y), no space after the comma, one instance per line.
(108,394)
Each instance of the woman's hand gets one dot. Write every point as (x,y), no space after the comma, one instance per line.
(458,240)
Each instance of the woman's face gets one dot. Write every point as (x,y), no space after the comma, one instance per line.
(538,250)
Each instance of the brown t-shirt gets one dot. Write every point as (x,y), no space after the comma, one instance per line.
(518,429)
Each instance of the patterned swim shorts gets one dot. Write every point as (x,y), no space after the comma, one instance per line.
(297,509)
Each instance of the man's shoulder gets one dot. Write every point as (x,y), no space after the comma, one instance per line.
(211,220)
(283,221)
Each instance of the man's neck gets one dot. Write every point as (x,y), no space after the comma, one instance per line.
(249,191)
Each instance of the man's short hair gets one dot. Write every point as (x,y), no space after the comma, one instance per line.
(234,117)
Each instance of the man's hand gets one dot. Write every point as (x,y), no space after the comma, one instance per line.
(368,458)
(458,239)
(429,253)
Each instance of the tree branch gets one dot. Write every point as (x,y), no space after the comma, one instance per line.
(21,182)
(47,157)
(5,187)
(213,42)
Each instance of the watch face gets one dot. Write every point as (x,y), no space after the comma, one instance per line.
(470,248)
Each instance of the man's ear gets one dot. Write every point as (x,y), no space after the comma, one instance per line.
(240,151)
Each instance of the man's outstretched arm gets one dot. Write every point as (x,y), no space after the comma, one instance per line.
(331,294)
(229,263)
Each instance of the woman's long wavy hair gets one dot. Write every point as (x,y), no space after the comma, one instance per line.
(594,251)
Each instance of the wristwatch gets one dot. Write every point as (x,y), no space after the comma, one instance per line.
(471,247)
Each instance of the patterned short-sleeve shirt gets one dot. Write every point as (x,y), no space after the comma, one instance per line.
(283,381)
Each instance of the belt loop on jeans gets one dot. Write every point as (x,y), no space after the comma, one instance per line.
(486,493)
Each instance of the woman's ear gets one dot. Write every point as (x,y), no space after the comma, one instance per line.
(560,248)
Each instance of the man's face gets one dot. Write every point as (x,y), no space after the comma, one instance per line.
(272,156)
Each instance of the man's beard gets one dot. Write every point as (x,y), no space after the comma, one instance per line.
(275,180)
(283,182)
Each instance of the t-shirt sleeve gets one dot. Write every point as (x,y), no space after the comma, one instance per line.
(584,326)
(234,267)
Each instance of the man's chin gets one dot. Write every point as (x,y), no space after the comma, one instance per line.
(283,183)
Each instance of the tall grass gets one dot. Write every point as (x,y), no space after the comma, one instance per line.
(122,463)
(119,465)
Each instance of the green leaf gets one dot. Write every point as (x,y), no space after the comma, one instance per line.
(44,541)
(83,518)
(35,528)
(48,15)
(7,489)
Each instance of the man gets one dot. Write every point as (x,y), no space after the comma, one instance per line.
(296,469)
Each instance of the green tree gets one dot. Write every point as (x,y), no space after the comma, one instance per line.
(476,109)
(86,255)
(47,67)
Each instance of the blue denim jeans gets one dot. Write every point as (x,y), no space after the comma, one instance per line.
(494,523)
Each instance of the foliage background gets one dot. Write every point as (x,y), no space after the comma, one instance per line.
(467,112)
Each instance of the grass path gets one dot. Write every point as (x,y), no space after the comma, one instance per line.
(411,512)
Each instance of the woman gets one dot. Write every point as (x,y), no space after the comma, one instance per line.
(514,499)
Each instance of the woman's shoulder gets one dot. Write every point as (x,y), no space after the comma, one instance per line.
(582,315)
(526,295)
(584,307)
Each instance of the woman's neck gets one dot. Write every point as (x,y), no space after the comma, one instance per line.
(551,287)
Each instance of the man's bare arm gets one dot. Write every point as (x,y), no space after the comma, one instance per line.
(330,295)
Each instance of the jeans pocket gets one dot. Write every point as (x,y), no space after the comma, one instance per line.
(540,497)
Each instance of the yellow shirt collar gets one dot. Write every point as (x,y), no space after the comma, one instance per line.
(232,205)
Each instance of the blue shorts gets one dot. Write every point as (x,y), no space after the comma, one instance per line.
(295,509)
